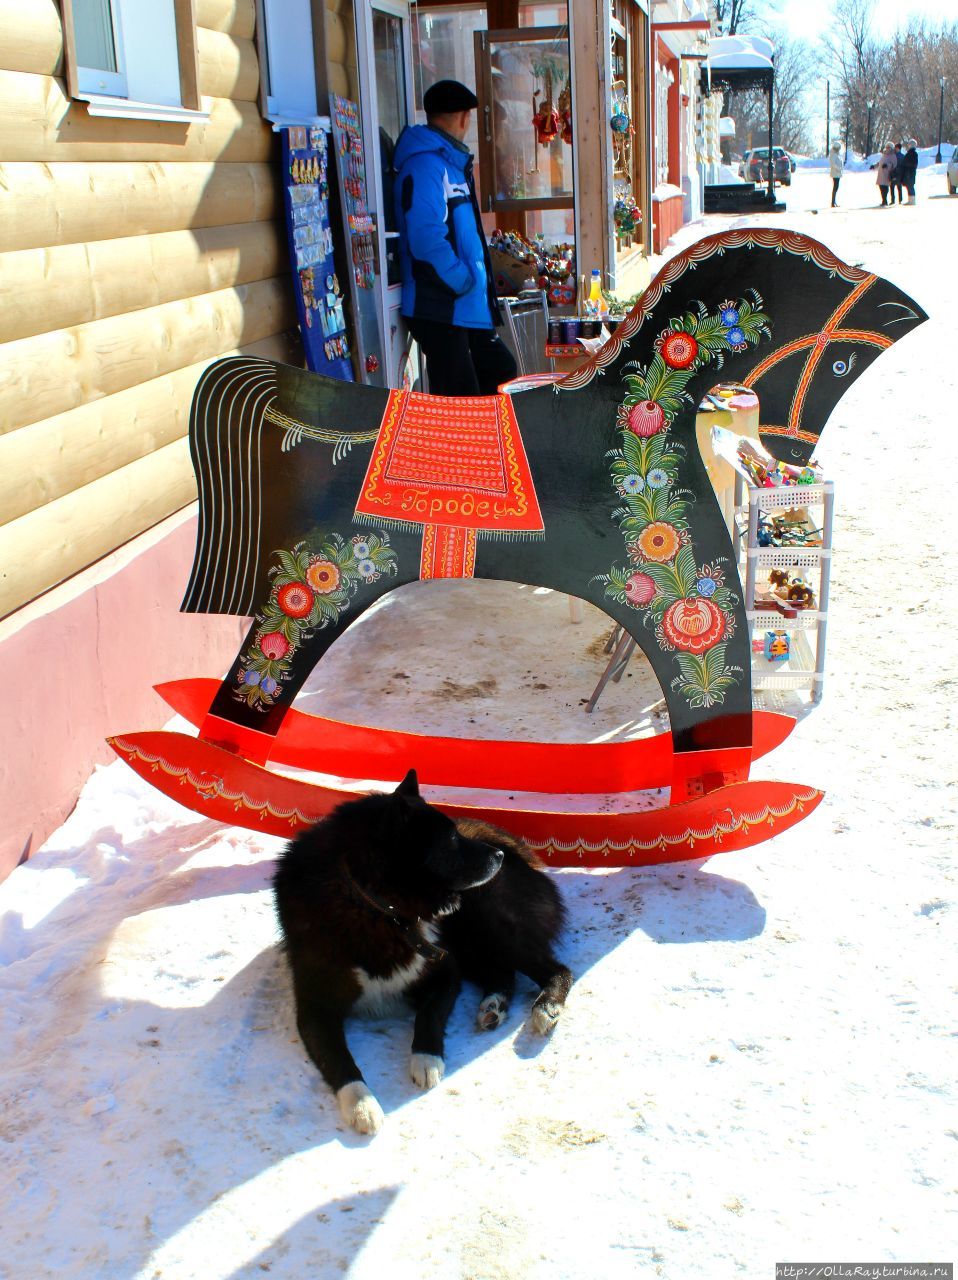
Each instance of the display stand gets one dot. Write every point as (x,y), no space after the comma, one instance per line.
(319,297)
(360,230)
(806,668)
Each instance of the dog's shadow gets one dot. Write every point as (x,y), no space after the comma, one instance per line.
(671,904)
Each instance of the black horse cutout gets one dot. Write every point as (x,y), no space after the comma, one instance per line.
(313,501)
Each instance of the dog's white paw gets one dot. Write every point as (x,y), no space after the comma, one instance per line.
(492,1011)
(359,1108)
(545,1014)
(426,1069)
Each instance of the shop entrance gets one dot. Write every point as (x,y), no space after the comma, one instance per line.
(385,68)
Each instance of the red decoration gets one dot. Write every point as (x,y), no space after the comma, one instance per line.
(274,645)
(295,600)
(640,589)
(546,123)
(323,745)
(372,363)
(677,349)
(694,625)
(646,419)
(230,788)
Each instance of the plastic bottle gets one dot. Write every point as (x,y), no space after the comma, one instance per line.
(595,292)
(583,297)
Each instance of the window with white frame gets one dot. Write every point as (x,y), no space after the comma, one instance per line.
(132,57)
(663,83)
(288,59)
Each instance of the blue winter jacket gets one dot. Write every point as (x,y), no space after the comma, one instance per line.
(446,274)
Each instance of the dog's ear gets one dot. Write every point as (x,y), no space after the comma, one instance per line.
(409,785)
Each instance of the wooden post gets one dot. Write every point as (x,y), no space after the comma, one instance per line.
(590,113)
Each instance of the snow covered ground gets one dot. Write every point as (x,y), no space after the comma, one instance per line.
(757,1059)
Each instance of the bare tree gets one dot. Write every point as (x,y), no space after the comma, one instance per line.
(794,77)
(917,59)
(731,17)
(892,89)
(853,57)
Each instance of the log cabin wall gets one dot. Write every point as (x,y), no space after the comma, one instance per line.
(341,65)
(132,254)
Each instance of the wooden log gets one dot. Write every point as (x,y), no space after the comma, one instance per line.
(47,460)
(74,284)
(50,544)
(54,204)
(32,37)
(39,122)
(235,17)
(229,67)
(56,371)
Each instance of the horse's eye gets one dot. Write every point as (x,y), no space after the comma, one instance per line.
(842,368)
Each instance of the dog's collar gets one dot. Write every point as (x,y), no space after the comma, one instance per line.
(409,928)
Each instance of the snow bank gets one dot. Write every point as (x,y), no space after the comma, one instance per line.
(857,163)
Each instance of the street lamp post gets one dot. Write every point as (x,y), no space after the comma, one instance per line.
(868,132)
(941,112)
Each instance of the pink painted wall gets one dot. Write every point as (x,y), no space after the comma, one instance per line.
(80,664)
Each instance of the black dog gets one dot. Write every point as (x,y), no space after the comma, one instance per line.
(387,901)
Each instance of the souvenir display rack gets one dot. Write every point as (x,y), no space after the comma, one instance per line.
(360,230)
(320,299)
(806,666)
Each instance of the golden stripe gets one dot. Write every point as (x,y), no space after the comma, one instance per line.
(323,434)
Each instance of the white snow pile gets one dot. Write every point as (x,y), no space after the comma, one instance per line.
(757,1062)
(858,163)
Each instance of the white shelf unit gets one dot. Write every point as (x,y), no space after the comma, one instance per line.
(806,664)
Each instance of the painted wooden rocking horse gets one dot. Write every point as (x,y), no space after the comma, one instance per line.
(317,496)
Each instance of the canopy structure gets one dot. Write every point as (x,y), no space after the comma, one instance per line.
(744,62)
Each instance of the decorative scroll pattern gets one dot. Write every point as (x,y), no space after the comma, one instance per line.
(675,268)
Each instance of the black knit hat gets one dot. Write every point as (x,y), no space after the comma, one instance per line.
(447,96)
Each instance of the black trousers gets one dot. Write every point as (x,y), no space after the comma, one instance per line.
(463,362)
(835,182)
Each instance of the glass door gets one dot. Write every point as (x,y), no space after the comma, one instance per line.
(386,71)
(525,119)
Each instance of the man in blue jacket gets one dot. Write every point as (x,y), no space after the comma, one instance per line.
(448,297)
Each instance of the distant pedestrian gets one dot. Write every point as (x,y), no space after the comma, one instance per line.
(896,176)
(836,168)
(886,168)
(909,168)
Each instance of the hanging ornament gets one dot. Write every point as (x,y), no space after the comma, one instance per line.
(620,121)
(564,106)
(545,121)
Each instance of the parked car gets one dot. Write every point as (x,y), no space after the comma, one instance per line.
(953,173)
(754,166)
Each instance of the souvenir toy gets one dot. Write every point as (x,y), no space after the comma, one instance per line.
(317,496)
